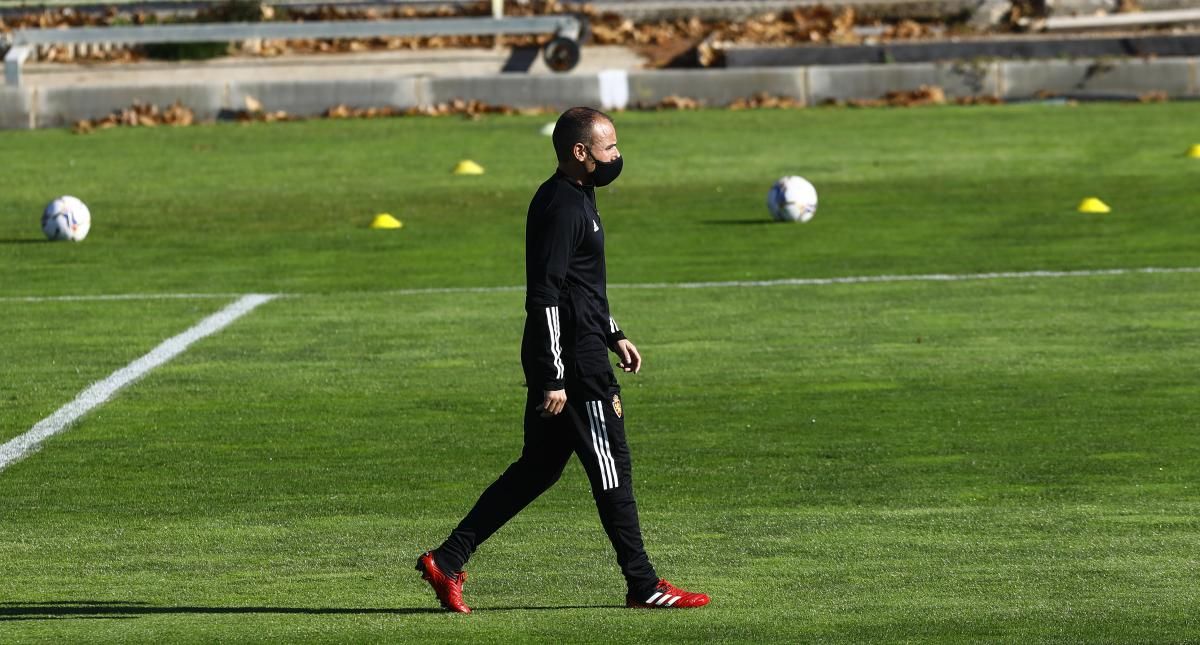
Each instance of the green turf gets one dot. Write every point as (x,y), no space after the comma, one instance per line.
(1008,460)
(912,191)
(40,370)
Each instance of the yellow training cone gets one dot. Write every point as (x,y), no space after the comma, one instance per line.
(385,220)
(1194,151)
(1093,205)
(468,167)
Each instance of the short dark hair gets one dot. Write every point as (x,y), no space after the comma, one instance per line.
(575,126)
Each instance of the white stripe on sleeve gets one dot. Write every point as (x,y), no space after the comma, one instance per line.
(555,337)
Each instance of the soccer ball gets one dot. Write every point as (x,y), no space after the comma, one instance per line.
(792,199)
(66,218)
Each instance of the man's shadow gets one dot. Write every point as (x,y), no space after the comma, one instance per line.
(123,610)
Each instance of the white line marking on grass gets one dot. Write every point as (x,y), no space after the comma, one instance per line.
(864,279)
(101,391)
(782,282)
(928,277)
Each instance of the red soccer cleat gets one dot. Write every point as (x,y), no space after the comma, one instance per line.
(447,588)
(667,596)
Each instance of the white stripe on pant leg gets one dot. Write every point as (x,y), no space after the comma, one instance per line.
(596,446)
(604,438)
(607,448)
(606,462)
(612,466)
(654,597)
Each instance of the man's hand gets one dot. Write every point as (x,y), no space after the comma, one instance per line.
(553,402)
(630,359)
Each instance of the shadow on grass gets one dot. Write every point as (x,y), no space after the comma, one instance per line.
(101,609)
(738,222)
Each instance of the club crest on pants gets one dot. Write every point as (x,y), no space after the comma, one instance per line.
(617,405)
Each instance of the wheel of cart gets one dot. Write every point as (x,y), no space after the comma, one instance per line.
(561,54)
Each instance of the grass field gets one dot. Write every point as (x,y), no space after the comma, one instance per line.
(1005,460)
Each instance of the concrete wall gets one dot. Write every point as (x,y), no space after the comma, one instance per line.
(310,98)
(873,81)
(716,87)
(26,107)
(1112,77)
(519,90)
(15,108)
(64,105)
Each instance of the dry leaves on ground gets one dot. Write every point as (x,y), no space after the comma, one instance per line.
(762,100)
(923,95)
(139,115)
(468,108)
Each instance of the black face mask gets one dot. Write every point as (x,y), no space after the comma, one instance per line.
(606,171)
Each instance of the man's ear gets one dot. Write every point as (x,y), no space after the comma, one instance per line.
(580,152)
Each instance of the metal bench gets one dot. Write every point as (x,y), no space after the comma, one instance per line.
(561,53)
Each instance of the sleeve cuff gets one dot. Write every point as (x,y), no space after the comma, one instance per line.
(614,337)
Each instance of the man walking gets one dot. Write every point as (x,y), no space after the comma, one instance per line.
(574,403)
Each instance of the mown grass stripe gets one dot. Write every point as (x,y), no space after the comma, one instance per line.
(121,296)
(101,391)
(781,282)
(803,282)
(928,277)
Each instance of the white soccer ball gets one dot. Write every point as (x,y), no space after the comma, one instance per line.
(792,199)
(66,218)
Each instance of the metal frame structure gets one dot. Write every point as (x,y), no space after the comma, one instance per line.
(1118,20)
(561,53)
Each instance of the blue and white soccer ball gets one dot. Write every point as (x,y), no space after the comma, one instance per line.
(792,199)
(66,218)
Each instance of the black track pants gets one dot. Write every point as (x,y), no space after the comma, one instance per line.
(592,426)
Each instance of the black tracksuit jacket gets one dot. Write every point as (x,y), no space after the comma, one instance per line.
(568,328)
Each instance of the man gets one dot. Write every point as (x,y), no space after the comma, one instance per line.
(573,405)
